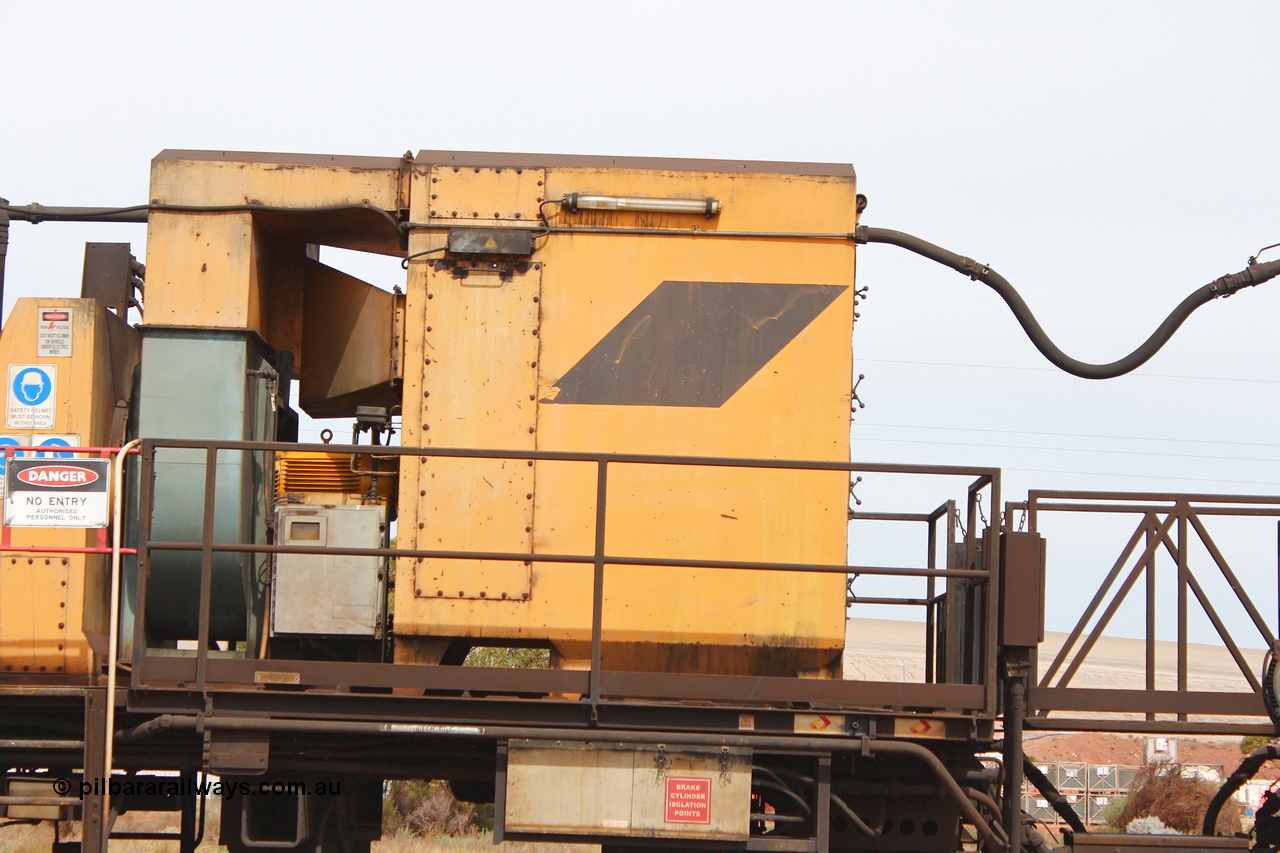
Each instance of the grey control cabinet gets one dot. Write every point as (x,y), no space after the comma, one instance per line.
(329,594)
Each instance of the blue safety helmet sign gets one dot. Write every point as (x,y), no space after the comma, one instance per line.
(31,396)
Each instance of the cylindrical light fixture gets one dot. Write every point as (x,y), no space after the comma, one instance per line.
(574,202)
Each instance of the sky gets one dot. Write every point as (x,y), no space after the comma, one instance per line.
(1107,158)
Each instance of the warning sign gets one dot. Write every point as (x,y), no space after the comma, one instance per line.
(688,800)
(53,333)
(919,727)
(820,724)
(30,397)
(56,493)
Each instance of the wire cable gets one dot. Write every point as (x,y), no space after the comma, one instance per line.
(1254,274)
(36,213)
(404,264)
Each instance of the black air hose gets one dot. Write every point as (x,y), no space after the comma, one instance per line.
(1234,782)
(1254,274)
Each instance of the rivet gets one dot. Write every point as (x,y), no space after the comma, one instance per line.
(482,595)
(534,333)
(535,299)
(528,530)
(437,180)
(439,593)
(428,328)
(497,215)
(48,562)
(529,496)
(539,183)
(530,463)
(456,168)
(524,595)
(65,561)
(64,583)
(25,668)
(30,561)
(504,595)
(60,625)
(433,213)
(426,361)
(62,604)
(422,493)
(42,669)
(426,427)
(421,525)
(530,429)
(417,592)
(461,594)
(477,170)
(475,213)
(533,397)
(59,669)
(426,393)
(59,648)
(533,364)
(433,195)
(536,267)
(431,296)
(455,213)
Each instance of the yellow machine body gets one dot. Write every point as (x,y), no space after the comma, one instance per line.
(649,342)
(53,607)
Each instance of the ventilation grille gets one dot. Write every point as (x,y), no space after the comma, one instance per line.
(313,471)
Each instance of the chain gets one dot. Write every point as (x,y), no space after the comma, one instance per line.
(660,763)
(724,767)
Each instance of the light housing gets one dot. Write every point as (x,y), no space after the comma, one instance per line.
(573,202)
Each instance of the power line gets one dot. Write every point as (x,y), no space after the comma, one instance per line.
(1055,370)
(1069,449)
(1071,434)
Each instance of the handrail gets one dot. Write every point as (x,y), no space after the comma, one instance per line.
(598,558)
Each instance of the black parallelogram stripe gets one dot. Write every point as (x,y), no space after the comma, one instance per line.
(693,343)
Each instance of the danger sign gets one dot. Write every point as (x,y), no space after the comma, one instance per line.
(56,493)
(688,800)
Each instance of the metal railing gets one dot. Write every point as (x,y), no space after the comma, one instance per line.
(1173,524)
(597,685)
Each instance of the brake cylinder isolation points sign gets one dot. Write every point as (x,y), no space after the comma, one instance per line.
(57,492)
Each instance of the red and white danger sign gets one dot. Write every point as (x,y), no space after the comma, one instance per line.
(56,493)
(688,800)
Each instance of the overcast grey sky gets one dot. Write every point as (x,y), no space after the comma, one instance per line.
(1106,157)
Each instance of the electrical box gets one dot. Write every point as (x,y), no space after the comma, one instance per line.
(329,594)
(694,792)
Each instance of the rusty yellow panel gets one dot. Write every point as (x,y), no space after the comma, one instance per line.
(52,606)
(733,347)
(198,178)
(233,268)
(466,195)
(458,326)
(201,271)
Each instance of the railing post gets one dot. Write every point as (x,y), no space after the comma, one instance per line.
(146,495)
(597,585)
(1182,510)
(206,564)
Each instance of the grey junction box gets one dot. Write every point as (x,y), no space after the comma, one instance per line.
(329,594)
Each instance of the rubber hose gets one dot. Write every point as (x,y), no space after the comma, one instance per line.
(1250,276)
(1234,782)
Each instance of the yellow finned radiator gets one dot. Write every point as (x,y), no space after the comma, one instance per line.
(315,471)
